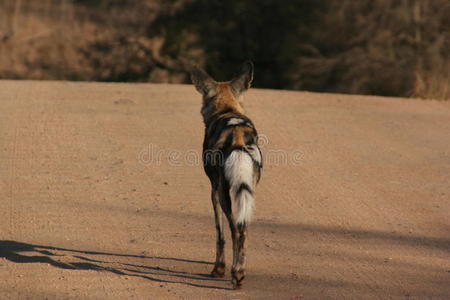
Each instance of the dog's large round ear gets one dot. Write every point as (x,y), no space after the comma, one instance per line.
(242,82)
(202,81)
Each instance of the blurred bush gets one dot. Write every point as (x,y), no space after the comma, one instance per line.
(380,47)
(383,47)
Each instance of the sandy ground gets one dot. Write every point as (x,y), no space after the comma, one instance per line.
(103,195)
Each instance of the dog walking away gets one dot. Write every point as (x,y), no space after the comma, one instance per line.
(232,161)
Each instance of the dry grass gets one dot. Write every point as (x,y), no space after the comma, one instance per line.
(432,85)
(41,42)
(60,40)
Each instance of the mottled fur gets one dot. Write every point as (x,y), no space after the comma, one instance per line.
(232,161)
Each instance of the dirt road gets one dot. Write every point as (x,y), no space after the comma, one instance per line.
(103,195)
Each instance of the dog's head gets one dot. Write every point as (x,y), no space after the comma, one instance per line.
(218,96)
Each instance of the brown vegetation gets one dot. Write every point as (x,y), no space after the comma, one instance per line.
(384,47)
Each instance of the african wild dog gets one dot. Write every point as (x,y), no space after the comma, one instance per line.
(232,161)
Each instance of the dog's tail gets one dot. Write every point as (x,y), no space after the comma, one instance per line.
(240,172)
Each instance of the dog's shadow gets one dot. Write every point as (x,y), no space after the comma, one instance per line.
(71,259)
